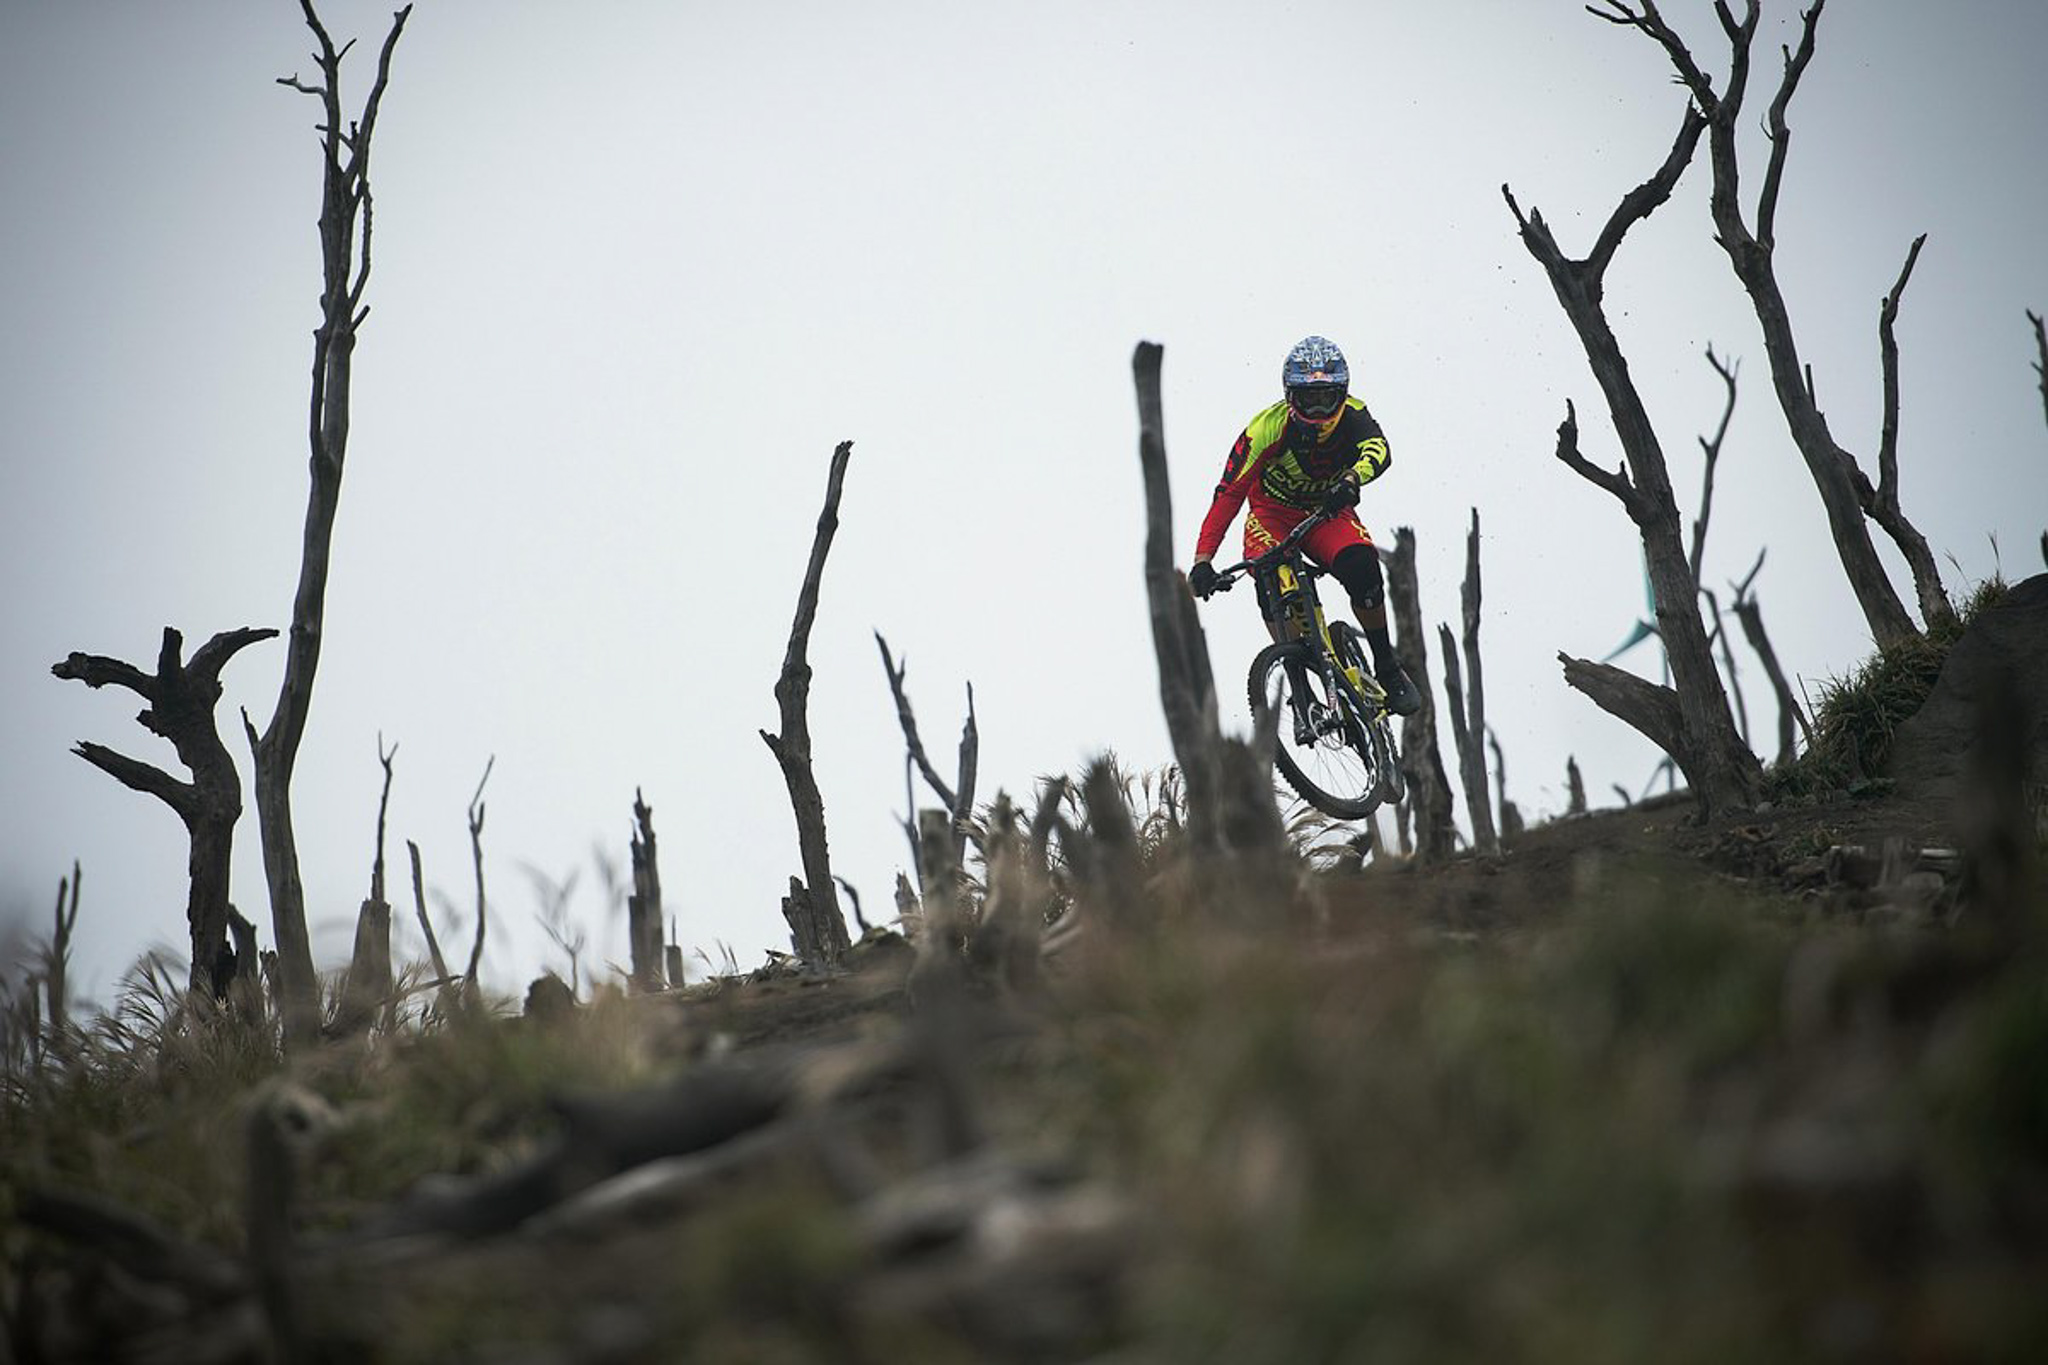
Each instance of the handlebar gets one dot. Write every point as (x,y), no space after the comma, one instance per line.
(1286,545)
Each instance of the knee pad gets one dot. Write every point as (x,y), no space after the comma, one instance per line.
(1357,567)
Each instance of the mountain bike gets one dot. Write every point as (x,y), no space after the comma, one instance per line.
(1334,742)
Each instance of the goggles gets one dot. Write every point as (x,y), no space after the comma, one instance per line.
(1316,402)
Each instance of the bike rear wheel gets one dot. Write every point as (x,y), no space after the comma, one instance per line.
(1323,746)
(1380,729)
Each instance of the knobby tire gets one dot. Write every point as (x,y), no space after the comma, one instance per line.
(1343,774)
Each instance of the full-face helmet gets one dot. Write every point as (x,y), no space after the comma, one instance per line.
(1316,380)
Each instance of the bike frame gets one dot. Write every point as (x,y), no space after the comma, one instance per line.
(1289,601)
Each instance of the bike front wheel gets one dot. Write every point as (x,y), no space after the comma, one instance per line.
(1323,746)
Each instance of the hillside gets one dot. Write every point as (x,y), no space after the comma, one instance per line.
(1764,1089)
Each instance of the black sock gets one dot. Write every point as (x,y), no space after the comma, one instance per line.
(1383,659)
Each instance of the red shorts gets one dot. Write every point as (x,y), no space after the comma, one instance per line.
(1265,523)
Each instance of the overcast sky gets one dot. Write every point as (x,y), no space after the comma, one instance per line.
(638,267)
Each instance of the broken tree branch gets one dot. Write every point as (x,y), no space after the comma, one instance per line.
(476,850)
(1883,505)
(908,720)
(182,696)
(958,798)
(419,901)
(2041,351)
(1471,754)
(822,937)
(1187,686)
(1645,706)
(1710,448)
(1485,838)
(643,905)
(1615,481)
(1422,763)
(1750,613)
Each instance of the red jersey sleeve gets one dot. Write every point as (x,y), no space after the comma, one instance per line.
(1229,497)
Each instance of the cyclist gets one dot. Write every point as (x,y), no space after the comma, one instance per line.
(1311,452)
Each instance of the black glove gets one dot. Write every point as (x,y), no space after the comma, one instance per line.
(1202,578)
(1344,495)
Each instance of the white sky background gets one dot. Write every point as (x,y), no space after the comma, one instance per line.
(639,266)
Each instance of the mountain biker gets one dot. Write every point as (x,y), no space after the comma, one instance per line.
(1308,453)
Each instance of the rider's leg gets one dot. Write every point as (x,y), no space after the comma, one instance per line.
(1260,537)
(1357,567)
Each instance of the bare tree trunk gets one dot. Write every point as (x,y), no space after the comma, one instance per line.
(1841,485)
(345,225)
(1475,695)
(1229,782)
(1883,504)
(55,987)
(476,857)
(181,699)
(1422,763)
(1750,613)
(1721,769)
(1471,752)
(419,901)
(822,937)
(1575,788)
(2040,350)
(1720,636)
(251,970)
(367,985)
(1510,814)
(643,907)
(1187,686)
(959,797)
(1710,450)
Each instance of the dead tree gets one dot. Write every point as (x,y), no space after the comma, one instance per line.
(959,797)
(55,985)
(1719,636)
(1471,751)
(181,697)
(1422,763)
(1468,708)
(345,222)
(2040,350)
(1751,615)
(1883,503)
(1229,782)
(1845,492)
(817,925)
(367,985)
(2041,374)
(476,855)
(1710,451)
(1511,825)
(1574,786)
(643,905)
(1187,685)
(1690,720)
(419,901)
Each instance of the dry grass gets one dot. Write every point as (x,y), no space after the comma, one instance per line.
(1855,716)
(1675,1123)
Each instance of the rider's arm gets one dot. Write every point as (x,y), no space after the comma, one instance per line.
(1373,455)
(1230,492)
(1373,460)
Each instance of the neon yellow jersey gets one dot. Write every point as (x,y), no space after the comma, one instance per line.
(1276,459)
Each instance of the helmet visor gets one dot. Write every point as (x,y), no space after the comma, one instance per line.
(1316,402)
